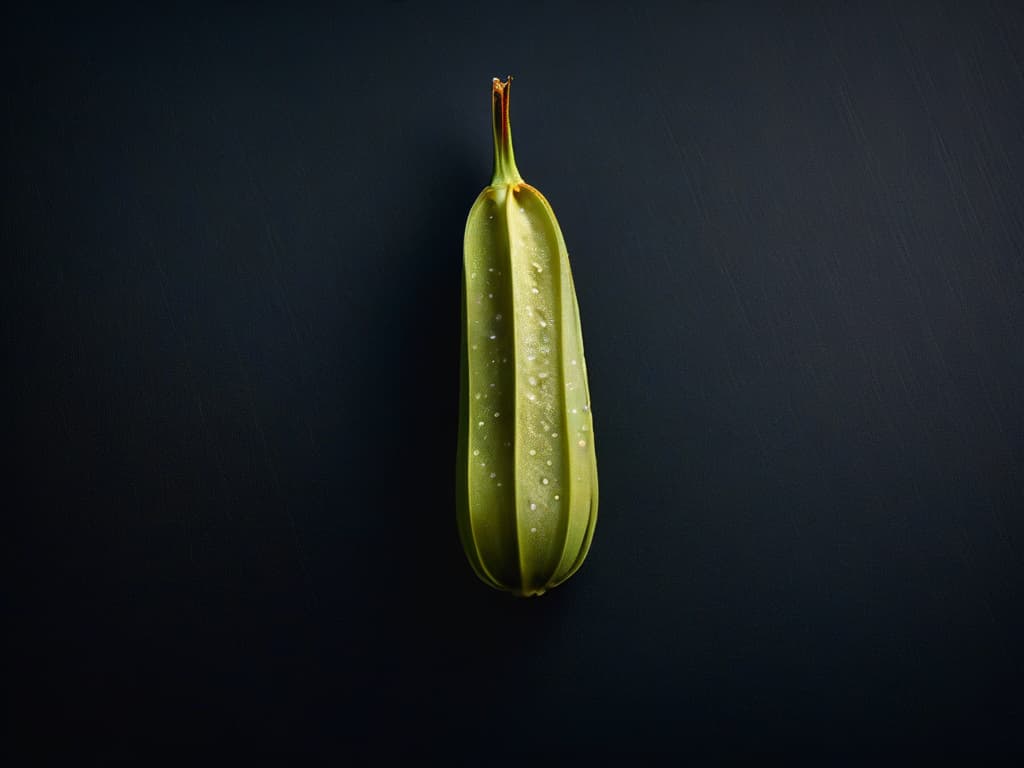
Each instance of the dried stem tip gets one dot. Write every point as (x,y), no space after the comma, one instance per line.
(505,171)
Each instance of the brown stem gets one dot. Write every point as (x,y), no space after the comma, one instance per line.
(505,171)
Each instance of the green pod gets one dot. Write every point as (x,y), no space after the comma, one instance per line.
(527,469)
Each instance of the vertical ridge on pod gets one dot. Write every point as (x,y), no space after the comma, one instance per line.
(542,459)
(464,492)
(490,427)
(515,388)
(590,520)
(565,322)
(467,491)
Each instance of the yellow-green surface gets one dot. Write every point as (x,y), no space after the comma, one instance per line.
(527,470)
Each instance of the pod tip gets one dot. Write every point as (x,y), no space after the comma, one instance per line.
(505,170)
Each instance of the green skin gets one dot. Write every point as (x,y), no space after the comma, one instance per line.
(527,470)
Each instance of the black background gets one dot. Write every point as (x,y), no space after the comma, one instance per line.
(232,243)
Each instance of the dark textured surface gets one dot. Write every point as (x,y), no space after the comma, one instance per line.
(231,246)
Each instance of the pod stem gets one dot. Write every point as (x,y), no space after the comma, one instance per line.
(505,171)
